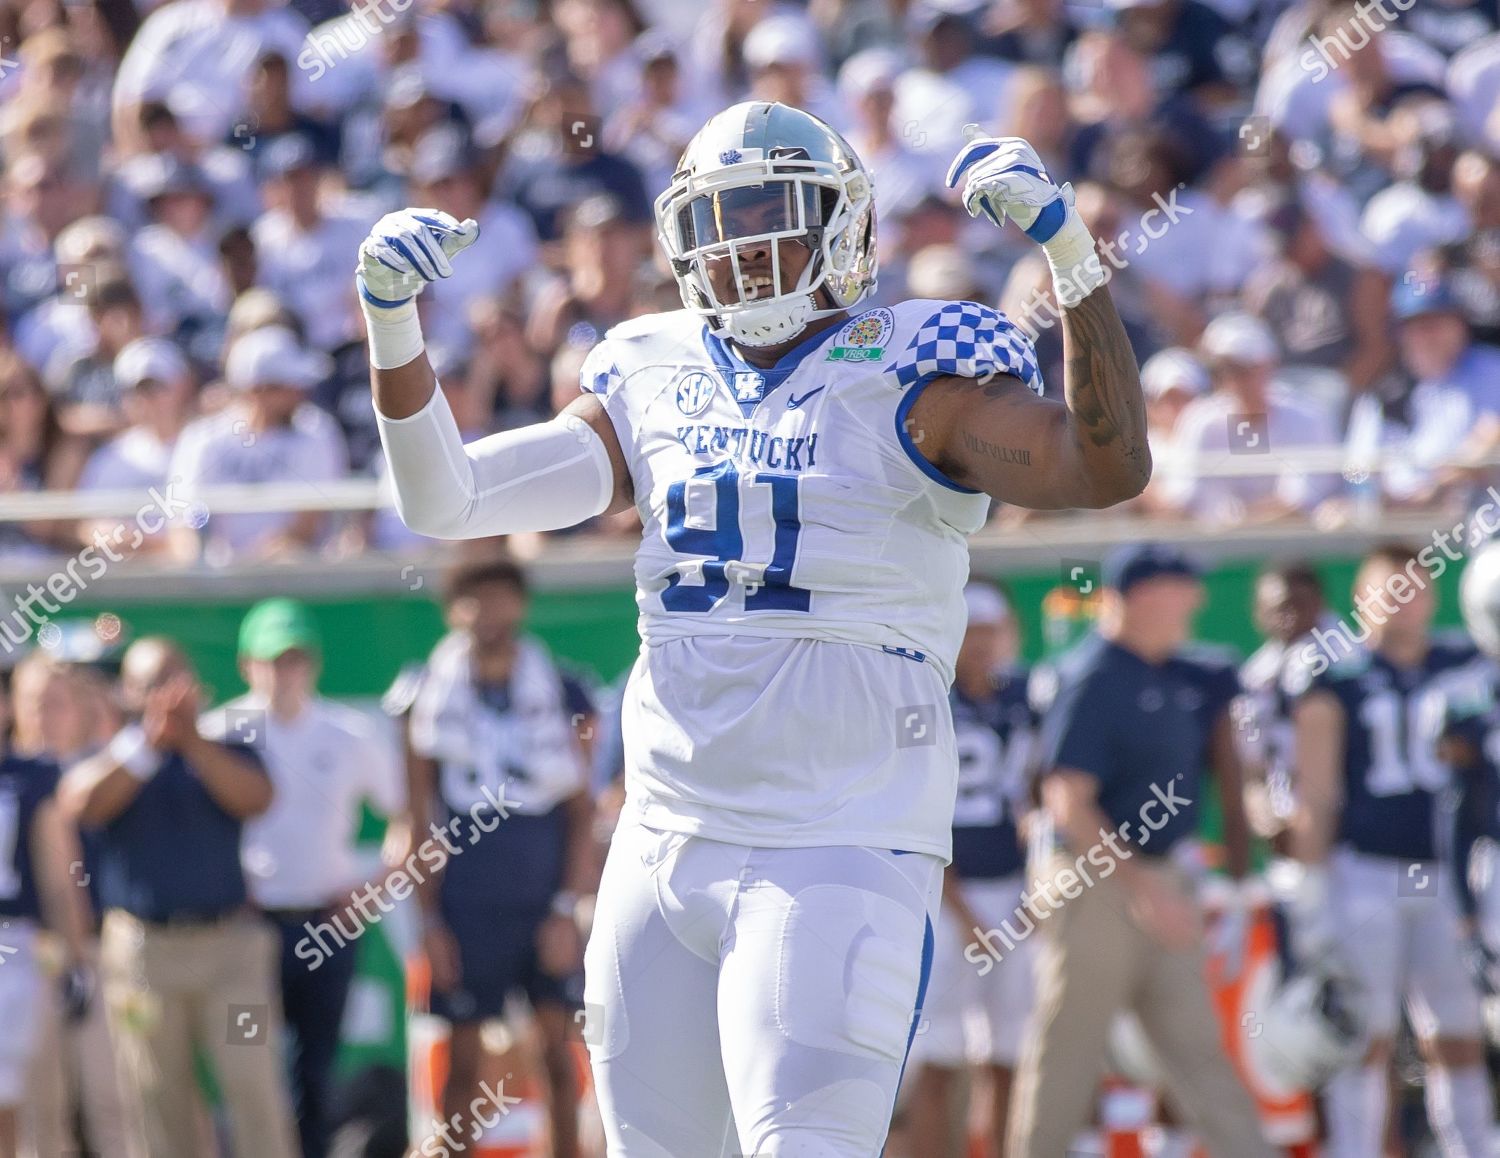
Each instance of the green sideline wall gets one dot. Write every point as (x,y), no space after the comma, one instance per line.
(368,638)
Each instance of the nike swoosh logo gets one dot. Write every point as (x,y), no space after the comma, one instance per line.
(793,401)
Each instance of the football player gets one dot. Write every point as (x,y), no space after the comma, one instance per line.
(972,1017)
(36,849)
(806,474)
(1466,710)
(1363,831)
(1288,604)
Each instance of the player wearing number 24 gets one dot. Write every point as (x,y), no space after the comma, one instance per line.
(806,472)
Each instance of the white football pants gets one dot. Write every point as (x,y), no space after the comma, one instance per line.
(744,1001)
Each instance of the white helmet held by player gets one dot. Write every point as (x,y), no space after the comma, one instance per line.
(1479,597)
(756,175)
(1309,1030)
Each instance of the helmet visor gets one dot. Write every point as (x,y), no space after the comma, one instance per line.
(770,210)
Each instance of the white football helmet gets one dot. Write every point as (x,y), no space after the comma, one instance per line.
(1311,1028)
(1479,597)
(755,175)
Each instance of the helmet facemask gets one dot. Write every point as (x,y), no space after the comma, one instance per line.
(728,226)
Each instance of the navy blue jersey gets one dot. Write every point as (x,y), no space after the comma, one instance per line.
(994,740)
(173,852)
(24,786)
(1464,705)
(525,848)
(1391,773)
(1141,729)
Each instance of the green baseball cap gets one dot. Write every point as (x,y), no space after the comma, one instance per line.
(275,626)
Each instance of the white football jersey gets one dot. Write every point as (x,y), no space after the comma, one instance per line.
(800,576)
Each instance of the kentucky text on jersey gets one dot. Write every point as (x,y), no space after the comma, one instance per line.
(752,446)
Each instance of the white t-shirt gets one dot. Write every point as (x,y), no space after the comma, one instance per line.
(309,271)
(177,277)
(1204,428)
(221,450)
(505,250)
(299,853)
(196,58)
(133,460)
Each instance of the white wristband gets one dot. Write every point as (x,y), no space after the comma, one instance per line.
(1076,268)
(131,752)
(395,334)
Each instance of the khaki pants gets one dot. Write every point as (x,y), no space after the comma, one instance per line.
(1094,961)
(76,1065)
(213,987)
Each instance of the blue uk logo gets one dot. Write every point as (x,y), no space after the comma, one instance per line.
(730,157)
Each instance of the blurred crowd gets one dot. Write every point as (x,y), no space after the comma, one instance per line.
(1300,204)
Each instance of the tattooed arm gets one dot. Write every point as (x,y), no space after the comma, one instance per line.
(997,436)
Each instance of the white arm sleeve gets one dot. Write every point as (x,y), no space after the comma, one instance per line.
(539,478)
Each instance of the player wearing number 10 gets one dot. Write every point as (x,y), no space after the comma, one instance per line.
(806,474)
(1371,902)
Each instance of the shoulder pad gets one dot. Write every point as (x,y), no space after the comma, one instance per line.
(962,340)
(633,341)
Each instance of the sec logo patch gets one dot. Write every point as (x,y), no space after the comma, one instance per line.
(695,390)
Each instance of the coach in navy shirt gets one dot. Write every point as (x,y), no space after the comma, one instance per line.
(186,964)
(1132,718)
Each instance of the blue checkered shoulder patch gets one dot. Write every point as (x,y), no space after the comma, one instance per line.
(599,374)
(967,340)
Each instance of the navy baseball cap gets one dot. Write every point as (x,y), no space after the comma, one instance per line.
(1415,296)
(1138,562)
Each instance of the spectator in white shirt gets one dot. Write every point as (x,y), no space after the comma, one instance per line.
(652,130)
(1452,410)
(952,87)
(302,248)
(301,865)
(444,174)
(1419,211)
(1171,380)
(57,328)
(1248,413)
(271,433)
(196,56)
(867,84)
(784,56)
(156,387)
(174,262)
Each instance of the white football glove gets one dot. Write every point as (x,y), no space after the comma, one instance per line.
(1003,177)
(408,249)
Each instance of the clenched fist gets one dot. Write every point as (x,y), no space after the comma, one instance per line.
(1004,178)
(408,249)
